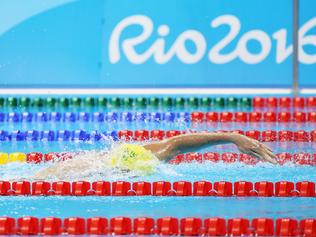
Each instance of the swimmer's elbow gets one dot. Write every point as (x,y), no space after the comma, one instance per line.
(167,154)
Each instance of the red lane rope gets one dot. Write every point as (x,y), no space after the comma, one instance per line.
(254,117)
(230,157)
(226,157)
(283,102)
(189,226)
(264,136)
(160,188)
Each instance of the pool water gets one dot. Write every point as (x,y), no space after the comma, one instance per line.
(149,206)
(202,207)
(228,207)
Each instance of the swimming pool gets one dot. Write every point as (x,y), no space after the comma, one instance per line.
(40,125)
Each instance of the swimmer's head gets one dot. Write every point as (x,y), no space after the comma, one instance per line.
(133,157)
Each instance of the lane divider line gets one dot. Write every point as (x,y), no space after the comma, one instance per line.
(188,226)
(159,188)
(299,136)
(196,157)
(298,117)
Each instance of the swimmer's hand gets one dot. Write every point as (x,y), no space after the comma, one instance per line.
(254,148)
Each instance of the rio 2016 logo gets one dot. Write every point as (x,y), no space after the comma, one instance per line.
(215,55)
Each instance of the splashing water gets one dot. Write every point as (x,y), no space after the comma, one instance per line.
(87,165)
(92,165)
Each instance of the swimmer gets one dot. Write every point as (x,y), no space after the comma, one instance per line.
(144,158)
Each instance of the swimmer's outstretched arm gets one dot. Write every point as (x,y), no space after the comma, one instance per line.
(166,149)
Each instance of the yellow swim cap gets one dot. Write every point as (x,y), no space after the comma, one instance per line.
(133,157)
